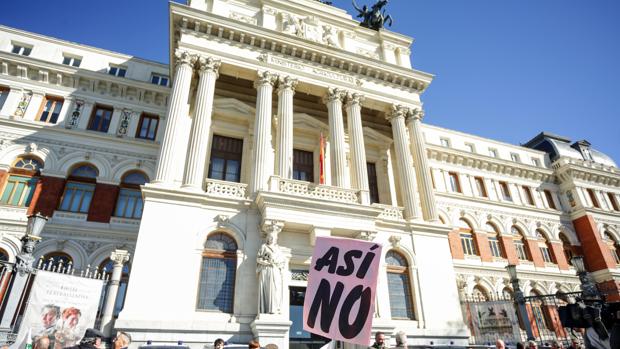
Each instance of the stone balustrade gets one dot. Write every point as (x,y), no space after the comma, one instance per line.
(390,212)
(315,191)
(225,189)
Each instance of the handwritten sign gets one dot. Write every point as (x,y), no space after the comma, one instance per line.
(340,297)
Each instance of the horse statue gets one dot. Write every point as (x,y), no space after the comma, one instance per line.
(375,17)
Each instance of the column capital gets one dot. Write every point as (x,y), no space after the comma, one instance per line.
(265,77)
(415,114)
(120,257)
(184,58)
(397,111)
(354,98)
(334,94)
(287,82)
(208,64)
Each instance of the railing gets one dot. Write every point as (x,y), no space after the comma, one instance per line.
(394,213)
(226,189)
(315,191)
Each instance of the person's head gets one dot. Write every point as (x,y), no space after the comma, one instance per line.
(71,317)
(122,340)
(380,338)
(42,343)
(92,337)
(218,344)
(253,344)
(401,339)
(520,345)
(49,315)
(557,345)
(532,345)
(499,344)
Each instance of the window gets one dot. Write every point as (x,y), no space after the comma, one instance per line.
(515,157)
(50,109)
(455,185)
(445,142)
(614,247)
(19,187)
(373,186)
(4,255)
(217,274)
(470,147)
(482,190)
(549,198)
(100,119)
(147,129)
(4,93)
(225,163)
(519,241)
(567,248)
(505,191)
(467,238)
(543,245)
(129,203)
(303,165)
(117,71)
(399,286)
(529,199)
(536,162)
(494,242)
(108,266)
(79,189)
(21,49)
(161,80)
(614,202)
(55,258)
(72,61)
(492,152)
(593,198)
(479,294)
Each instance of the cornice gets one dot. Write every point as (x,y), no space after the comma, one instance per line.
(571,169)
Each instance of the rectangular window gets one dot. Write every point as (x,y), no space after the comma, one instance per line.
(515,157)
(536,162)
(225,162)
(117,71)
(77,197)
(217,284)
(505,191)
(549,198)
(492,152)
(469,246)
(614,202)
(4,93)
(455,185)
(496,249)
(445,142)
(482,190)
(18,191)
(470,147)
(520,247)
(546,255)
(100,119)
(303,165)
(50,109)
(21,49)
(72,61)
(129,204)
(161,80)
(147,129)
(372,182)
(593,198)
(529,199)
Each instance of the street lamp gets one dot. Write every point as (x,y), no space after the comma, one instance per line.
(519,300)
(36,222)
(588,288)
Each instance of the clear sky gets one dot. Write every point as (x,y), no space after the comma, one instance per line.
(505,69)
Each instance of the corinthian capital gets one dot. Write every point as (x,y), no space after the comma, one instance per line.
(287,83)
(119,257)
(416,114)
(397,111)
(334,94)
(354,98)
(265,78)
(206,64)
(184,57)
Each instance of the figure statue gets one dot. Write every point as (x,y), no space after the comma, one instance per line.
(292,25)
(270,268)
(375,17)
(330,36)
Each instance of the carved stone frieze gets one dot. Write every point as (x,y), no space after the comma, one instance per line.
(23,104)
(243,18)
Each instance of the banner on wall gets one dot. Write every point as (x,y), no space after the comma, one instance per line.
(60,309)
(340,297)
(494,319)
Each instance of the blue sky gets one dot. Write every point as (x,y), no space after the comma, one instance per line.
(505,69)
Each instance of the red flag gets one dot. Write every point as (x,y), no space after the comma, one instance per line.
(322,160)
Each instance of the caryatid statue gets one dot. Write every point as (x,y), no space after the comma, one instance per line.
(270,269)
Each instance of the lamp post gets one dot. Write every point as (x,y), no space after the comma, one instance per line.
(519,300)
(589,291)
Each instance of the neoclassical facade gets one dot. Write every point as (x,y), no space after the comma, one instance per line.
(283,119)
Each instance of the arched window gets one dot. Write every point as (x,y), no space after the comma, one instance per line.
(399,286)
(497,248)
(79,189)
(519,241)
(479,294)
(108,264)
(537,310)
(567,248)
(507,293)
(543,245)
(467,238)
(614,247)
(56,257)
(129,203)
(19,187)
(4,255)
(217,274)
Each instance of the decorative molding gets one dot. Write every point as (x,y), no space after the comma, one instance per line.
(226,189)
(243,18)
(304,68)
(394,241)
(123,124)
(306,189)
(23,104)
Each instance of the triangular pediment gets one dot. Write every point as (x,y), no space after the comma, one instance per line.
(373,137)
(305,122)
(232,107)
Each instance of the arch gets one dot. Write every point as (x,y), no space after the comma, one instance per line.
(221,241)
(444,217)
(70,247)
(129,165)
(401,294)
(28,162)
(486,286)
(465,223)
(46,155)
(11,245)
(479,293)
(544,231)
(216,291)
(469,219)
(501,229)
(570,234)
(220,223)
(522,227)
(70,160)
(102,253)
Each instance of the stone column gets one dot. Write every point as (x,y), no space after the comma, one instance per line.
(358,150)
(119,257)
(262,131)
(403,161)
(196,161)
(286,91)
(422,170)
(336,132)
(178,102)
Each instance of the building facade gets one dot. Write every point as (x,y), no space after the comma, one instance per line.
(284,118)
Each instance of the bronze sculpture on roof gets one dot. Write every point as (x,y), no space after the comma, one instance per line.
(374,17)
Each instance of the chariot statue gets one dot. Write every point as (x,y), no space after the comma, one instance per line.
(374,17)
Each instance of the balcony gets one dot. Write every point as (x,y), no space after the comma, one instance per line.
(314,191)
(224,189)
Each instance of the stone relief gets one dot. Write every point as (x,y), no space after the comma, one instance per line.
(72,122)
(243,18)
(23,103)
(309,28)
(123,125)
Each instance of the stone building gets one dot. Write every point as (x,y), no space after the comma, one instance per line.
(286,118)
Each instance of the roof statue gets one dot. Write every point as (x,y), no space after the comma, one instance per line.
(375,17)
(325,2)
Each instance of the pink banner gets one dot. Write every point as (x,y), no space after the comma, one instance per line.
(340,298)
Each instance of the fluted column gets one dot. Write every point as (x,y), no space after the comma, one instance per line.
(403,161)
(195,163)
(262,131)
(422,170)
(286,91)
(338,157)
(357,149)
(178,101)
(119,258)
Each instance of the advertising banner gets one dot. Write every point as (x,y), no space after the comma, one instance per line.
(340,297)
(60,309)
(494,319)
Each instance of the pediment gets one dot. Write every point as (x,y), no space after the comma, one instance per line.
(374,137)
(305,122)
(232,107)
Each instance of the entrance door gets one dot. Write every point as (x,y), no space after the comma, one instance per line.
(298,338)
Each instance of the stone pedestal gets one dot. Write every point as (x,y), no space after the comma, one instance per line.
(271,329)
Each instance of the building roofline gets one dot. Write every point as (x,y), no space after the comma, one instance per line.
(545,135)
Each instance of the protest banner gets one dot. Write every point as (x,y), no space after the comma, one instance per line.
(340,297)
(60,309)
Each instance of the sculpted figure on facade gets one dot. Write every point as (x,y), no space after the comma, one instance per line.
(270,268)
